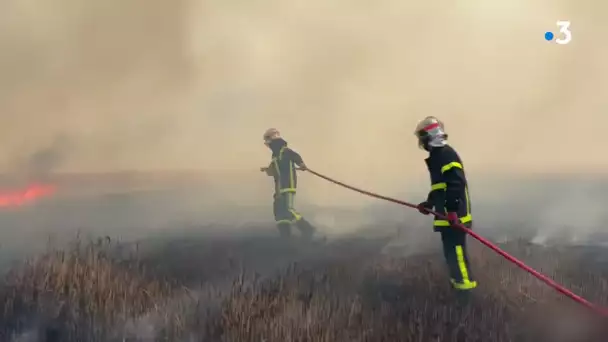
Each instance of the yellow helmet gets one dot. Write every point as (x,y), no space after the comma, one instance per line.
(270,135)
(430,133)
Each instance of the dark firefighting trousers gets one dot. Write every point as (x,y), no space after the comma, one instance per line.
(455,252)
(285,215)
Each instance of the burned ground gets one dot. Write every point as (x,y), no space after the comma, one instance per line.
(237,281)
(257,288)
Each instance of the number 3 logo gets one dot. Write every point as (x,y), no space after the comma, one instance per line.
(564,28)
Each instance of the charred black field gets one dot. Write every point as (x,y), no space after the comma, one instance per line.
(122,279)
(255,287)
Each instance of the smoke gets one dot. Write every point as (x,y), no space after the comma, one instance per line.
(190,84)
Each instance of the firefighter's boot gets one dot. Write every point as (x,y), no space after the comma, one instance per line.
(306,229)
(284,230)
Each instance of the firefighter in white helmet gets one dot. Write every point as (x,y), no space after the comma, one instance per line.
(283,168)
(449,195)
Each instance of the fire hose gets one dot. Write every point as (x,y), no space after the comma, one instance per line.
(545,279)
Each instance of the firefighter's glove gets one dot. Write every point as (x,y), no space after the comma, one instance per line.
(302,167)
(453,219)
(424,207)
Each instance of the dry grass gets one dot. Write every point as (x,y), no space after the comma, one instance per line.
(257,289)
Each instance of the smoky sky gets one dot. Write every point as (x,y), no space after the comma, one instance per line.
(170,85)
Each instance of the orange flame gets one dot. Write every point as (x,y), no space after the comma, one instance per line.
(25,196)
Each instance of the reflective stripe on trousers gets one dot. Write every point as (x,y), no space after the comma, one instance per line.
(466,283)
(284,208)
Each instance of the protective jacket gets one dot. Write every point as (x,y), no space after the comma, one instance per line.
(282,167)
(449,189)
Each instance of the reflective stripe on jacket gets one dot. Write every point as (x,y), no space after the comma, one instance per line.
(283,167)
(449,189)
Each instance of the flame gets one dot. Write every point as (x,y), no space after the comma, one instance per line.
(25,196)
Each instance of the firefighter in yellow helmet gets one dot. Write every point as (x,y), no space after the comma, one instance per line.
(283,168)
(450,195)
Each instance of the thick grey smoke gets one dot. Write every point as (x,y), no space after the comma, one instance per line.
(171,85)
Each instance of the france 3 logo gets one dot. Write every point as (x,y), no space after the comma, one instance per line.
(565,35)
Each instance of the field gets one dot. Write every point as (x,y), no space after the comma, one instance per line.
(257,288)
(237,281)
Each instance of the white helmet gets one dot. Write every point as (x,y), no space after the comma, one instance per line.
(431,133)
(270,135)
